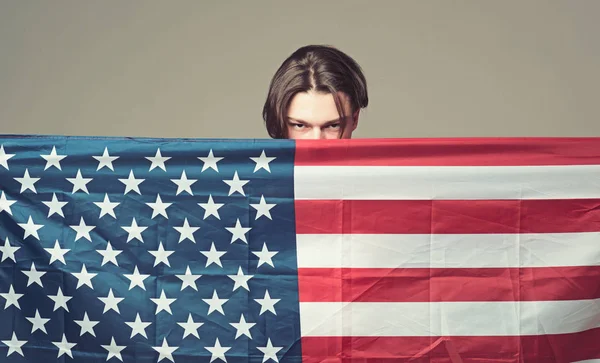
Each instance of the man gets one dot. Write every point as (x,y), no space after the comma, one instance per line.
(317,93)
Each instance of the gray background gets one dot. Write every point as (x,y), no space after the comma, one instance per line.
(201,68)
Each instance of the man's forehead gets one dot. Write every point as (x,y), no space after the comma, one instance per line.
(315,108)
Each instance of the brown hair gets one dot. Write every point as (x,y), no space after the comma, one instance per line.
(313,67)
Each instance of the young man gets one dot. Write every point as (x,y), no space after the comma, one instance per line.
(317,93)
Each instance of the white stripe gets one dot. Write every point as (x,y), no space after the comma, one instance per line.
(451,182)
(448,250)
(588,361)
(449,318)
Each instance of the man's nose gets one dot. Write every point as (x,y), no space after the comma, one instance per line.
(316,133)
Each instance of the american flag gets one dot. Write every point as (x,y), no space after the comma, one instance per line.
(393,250)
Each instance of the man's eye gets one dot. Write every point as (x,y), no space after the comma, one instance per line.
(298,126)
(334,126)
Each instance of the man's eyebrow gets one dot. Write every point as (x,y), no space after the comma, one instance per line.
(304,122)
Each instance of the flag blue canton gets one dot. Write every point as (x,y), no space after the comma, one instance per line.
(147,250)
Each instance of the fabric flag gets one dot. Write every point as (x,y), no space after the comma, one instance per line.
(392,250)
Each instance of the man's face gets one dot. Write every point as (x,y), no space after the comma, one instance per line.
(313,115)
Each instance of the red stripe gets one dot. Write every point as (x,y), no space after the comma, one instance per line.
(447,216)
(560,348)
(449,152)
(457,284)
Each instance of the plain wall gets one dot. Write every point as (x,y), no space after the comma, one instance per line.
(202,68)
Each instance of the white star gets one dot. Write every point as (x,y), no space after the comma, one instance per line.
(210,161)
(4,157)
(87,325)
(215,304)
(186,232)
(217,351)
(34,275)
(213,256)
(109,255)
(64,347)
(79,183)
(267,303)
(11,298)
(107,207)
(114,350)
(184,184)
(8,251)
(138,326)
(188,279)
(53,159)
(163,303)
(111,302)
(57,253)
(265,256)
(136,279)
(190,327)
(165,352)
(238,232)
(60,300)
(55,206)
(134,231)
(211,208)
(5,204)
(240,279)
(38,323)
(83,230)
(27,182)
(30,229)
(243,327)
(263,208)
(262,162)
(158,160)
(159,207)
(84,277)
(236,184)
(270,352)
(161,255)
(131,183)
(105,160)
(14,345)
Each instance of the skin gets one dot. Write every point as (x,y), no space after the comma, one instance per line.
(313,115)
